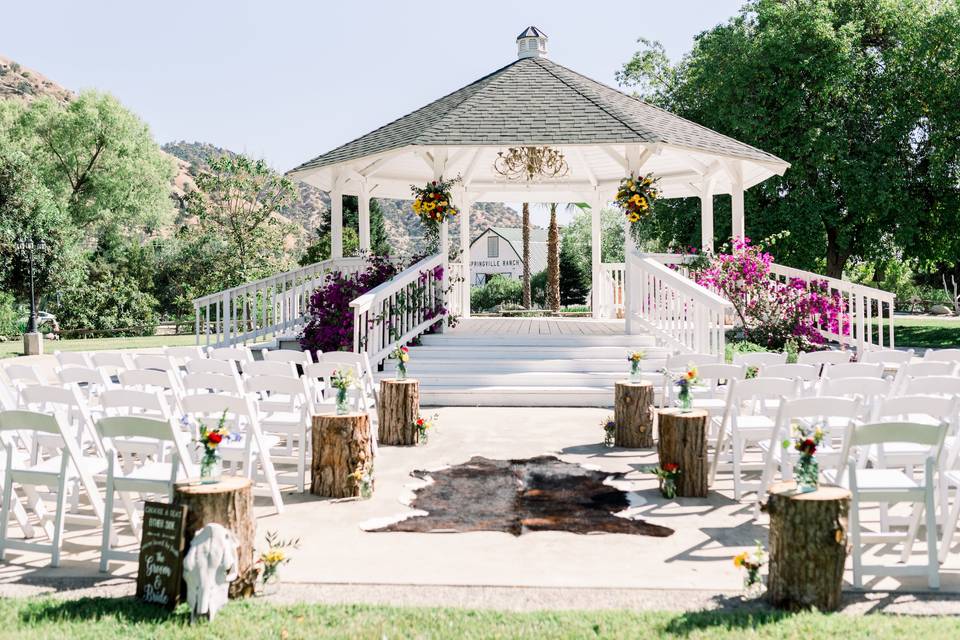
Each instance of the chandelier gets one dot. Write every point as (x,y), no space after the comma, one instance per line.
(530,163)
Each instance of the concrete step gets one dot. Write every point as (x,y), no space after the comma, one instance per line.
(465,354)
(528,379)
(527,340)
(431,366)
(517,396)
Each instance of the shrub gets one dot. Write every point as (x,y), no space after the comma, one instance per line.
(771,312)
(330,327)
(497,291)
(9,324)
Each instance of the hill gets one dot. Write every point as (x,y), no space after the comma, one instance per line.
(402,225)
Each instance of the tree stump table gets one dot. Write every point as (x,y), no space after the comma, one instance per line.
(228,502)
(683,441)
(398,407)
(341,447)
(633,414)
(808,546)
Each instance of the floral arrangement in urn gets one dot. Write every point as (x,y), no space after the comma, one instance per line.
(424,426)
(609,431)
(687,380)
(751,563)
(210,440)
(807,471)
(635,198)
(342,380)
(634,358)
(402,355)
(668,474)
(433,203)
(274,557)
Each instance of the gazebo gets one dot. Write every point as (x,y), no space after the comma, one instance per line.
(602,133)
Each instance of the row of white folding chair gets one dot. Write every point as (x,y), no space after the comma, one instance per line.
(68,466)
(942,355)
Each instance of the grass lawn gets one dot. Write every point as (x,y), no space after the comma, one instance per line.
(15,347)
(933,333)
(106,619)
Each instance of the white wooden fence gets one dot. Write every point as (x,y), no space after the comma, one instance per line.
(398,310)
(685,315)
(264,309)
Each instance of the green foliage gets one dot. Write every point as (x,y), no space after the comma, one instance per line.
(238,201)
(842,90)
(733,348)
(98,160)
(575,238)
(9,315)
(497,291)
(574,282)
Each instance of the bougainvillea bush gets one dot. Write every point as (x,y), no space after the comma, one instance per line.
(331,319)
(771,312)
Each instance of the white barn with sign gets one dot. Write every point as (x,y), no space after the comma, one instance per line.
(499,251)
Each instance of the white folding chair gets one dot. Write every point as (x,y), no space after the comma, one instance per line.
(711,394)
(868,390)
(806,374)
(77,419)
(157,361)
(293,356)
(240,416)
(891,359)
(942,355)
(23,375)
(269,368)
(166,382)
(72,359)
(222,367)
(749,419)
(889,486)
(201,383)
(827,356)
(921,369)
(760,358)
(147,402)
(52,473)
(111,363)
(91,381)
(150,477)
(240,355)
(285,407)
(853,370)
(318,378)
(182,355)
(933,386)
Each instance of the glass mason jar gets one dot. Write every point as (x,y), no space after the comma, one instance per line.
(684,399)
(210,468)
(807,474)
(343,407)
(635,371)
(401,370)
(668,488)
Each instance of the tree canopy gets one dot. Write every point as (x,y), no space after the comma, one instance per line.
(858,95)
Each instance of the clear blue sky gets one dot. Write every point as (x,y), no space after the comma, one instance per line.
(287,80)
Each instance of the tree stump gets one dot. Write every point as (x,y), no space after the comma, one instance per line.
(808,546)
(341,446)
(683,442)
(633,414)
(228,502)
(397,408)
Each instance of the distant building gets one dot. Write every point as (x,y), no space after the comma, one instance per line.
(499,251)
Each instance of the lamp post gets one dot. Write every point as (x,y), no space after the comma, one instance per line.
(31,342)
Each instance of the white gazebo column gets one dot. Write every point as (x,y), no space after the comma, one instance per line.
(465,202)
(363,212)
(706,216)
(439,166)
(596,280)
(336,223)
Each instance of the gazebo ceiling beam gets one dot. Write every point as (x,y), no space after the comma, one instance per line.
(591,176)
(613,155)
(471,168)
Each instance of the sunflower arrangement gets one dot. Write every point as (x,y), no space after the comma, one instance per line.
(751,563)
(433,203)
(636,196)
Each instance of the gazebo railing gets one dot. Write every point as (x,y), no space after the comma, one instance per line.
(399,310)
(612,281)
(264,309)
(685,315)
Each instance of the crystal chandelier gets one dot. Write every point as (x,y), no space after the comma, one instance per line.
(530,163)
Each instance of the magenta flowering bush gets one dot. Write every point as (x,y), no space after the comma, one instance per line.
(771,312)
(330,327)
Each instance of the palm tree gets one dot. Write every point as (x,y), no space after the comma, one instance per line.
(527,302)
(553,261)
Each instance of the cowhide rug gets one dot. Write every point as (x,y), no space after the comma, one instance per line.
(538,494)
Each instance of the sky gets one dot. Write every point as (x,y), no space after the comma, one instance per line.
(288,80)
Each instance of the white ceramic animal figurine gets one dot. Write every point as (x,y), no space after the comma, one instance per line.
(208,569)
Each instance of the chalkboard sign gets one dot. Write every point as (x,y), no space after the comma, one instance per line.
(161,554)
